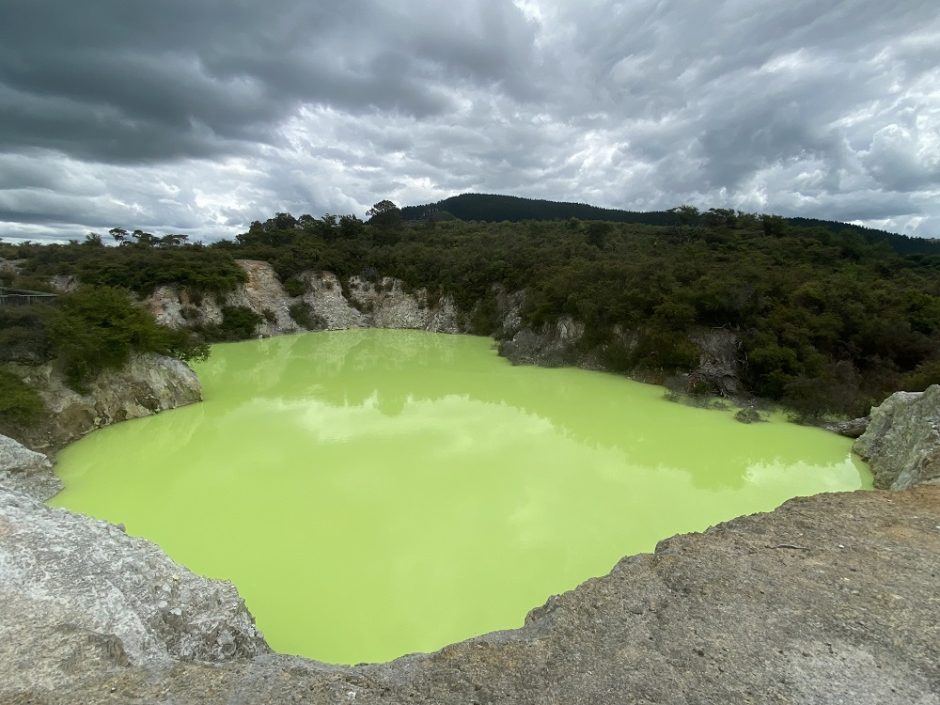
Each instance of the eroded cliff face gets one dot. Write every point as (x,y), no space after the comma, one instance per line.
(902,441)
(384,303)
(146,385)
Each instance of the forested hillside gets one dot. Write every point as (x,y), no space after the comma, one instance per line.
(828,321)
(494,208)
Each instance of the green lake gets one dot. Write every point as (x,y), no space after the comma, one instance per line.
(373,492)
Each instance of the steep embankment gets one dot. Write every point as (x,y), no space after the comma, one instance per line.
(326,304)
(829,599)
(146,385)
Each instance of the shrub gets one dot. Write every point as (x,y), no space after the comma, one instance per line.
(20,404)
(238,323)
(304,317)
(97,328)
(294,287)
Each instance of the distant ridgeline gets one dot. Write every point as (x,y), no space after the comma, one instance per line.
(495,208)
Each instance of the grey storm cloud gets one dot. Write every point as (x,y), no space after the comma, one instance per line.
(202,115)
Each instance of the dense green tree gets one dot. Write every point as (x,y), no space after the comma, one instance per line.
(384,214)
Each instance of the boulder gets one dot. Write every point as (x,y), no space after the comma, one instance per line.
(902,441)
(850,428)
(26,471)
(75,592)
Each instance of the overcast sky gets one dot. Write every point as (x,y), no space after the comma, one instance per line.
(199,116)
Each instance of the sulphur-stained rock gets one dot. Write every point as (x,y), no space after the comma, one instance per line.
(26,471)
(176,307)
(264,294)
(828,600)
(327,304)
(381,304)
(386,304)
(147,384)
(902,442)
(75,592)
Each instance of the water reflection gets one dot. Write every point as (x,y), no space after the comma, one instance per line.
(408,490)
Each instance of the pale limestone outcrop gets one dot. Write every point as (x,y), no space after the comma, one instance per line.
(147,384)
(261,293)
(264,294)
(902,441)
(176,307)
(77,592)
(386,304)
(326,302)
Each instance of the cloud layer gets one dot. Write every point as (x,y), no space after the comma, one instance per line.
(202,115)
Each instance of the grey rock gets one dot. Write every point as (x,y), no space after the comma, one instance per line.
(15,457)
(177,308)
(552,345)
(26,471)
(748,415)
(850,428)
(381,304)
(829,599)
(70,584)
(63,283)
(719,360)
(327,303)
(902,442)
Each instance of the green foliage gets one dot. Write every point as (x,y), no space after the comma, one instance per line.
(829,318)
(97,328)
(304,317)
(238,323)
(23,335)
(924,375)
(138,267)
(20,405)
(385,215)
(294,287)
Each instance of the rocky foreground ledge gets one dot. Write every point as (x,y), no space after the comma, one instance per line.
(829,599)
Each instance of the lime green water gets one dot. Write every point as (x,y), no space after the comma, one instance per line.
(374,493)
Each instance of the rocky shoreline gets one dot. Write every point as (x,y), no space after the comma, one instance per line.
(829,599)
